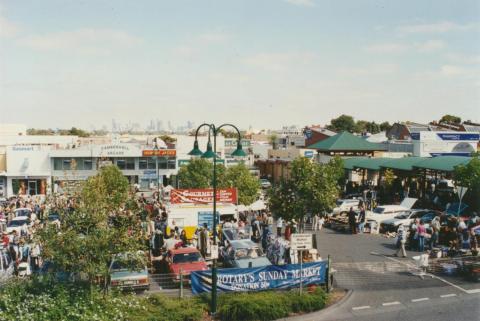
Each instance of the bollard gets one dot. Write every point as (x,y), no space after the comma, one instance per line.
(181,284)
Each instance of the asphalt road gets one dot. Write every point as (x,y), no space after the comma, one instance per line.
(384,287)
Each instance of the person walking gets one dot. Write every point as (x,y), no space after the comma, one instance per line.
(316,221)
(361,220)
(279,226)
(435,232)
(352,221)
(401,240)
(421,231)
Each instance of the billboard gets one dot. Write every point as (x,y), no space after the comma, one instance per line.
(203,195)
(261,278)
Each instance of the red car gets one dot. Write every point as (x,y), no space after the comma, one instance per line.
(186,260)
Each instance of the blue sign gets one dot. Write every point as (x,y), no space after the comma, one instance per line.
(459,136)
(308,153)
(207,217)
(261,278)
(415,136)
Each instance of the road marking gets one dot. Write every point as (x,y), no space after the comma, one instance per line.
(361,308)
(473,291)
(449,283)
(420,300)
(390,303)
(448,295)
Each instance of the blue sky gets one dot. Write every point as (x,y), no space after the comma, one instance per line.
(262,63)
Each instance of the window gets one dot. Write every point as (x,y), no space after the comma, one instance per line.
(162,163)
(125,163)
(57,164)
(147,163)
(130,163)
(67,164)
(121,163)
(172,163)
(87,164)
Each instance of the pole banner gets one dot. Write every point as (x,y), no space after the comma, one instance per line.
(261,278)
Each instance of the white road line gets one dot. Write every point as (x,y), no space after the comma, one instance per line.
(361,308)
(473,291)
(390,303)
(448,295)
(451,284)
(420,300)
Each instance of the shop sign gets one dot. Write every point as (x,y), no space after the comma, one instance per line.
(203,195)
(114,150)
(159,152)
(150,173)
(233,143)
(207,218)
(301,241)
(261,278)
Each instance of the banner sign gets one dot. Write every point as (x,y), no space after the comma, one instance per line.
(203,196)
(159,152)
(261,278)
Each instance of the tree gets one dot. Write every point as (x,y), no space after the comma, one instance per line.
(199,174)
(469,176)
(273,140)
(372,127)
(450,119)
(239,176)
(361,126)
(95,230)
(311,188)
(342,123)
(385,126)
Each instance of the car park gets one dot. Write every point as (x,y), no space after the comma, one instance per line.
(344,205)
(243,254)
(129,272)
(183,261)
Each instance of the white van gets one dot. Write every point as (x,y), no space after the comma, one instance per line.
(386,212)
(344,205)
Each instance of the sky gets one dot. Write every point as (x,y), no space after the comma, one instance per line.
(254,63)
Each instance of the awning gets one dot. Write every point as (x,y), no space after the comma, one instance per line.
(443,163)
(346,142)
(404,163)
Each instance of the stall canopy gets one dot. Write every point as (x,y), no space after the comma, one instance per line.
(346,142)
(403,164)
(349,163)
(372,164)
(443,163)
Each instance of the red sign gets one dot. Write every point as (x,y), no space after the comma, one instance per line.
(203,196)
(159,152)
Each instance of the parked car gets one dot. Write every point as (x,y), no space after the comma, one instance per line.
(232,234)
(129,272)
(344,205)
(23,212)
(265,183)
(404,218)
(386,212)
(184,260)
(18,224)
(243,254)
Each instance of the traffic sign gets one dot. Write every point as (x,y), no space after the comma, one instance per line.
(461,190)
(301,241)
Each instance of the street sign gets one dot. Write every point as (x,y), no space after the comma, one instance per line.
(461,190)
(301,241)
(214,251)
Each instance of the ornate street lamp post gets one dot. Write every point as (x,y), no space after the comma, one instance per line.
(212,153)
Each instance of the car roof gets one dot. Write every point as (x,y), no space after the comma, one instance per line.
(20,218)
(243,244)
(22,209)
(183,250)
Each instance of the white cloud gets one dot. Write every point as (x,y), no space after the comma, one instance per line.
(453,70)
(387,48)
(305,3)
(463,59)
(398,48)
(439,27)
(371,70)
(279,61)
(92,41)
(212,37)
(7,28)
(430,46)
(199,42)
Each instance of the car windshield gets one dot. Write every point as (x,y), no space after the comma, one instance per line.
(127,265)
(17,223)
(22,213)
(237,234)
(402,216)
(379,210)
(187,257)
(241,254)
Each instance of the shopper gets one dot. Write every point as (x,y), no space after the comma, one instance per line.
(279,226)
(352,221)
(361,220)
(401,240)
(421,231)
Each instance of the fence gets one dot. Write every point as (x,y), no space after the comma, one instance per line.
(170,284)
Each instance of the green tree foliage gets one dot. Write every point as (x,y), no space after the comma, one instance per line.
(72,131)
(199,174)
(40,132)
(342,123)
(385,126)
(248,185)
(310,188)
(450,119)
(96,229)
(469,176)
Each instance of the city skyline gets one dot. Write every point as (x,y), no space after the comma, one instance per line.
(262,64)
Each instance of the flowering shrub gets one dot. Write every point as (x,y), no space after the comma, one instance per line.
(41,300)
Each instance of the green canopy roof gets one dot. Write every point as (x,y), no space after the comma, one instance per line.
(345,142)
(404,163)
(350,163)
(443,163)
(373,164)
